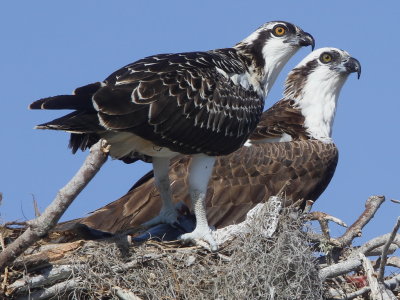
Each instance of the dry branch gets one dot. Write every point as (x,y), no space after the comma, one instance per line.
(371,206)
(390,284)
(319,215)
(376,293)
(379,241)
(339,268)
(40,226)
(386,249)
(56,290)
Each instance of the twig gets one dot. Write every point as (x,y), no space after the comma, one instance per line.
(391,284)
(393,261)
(125,294)
(40,226)
(373,282)
(339,268)
(47,277)
(385,250)
(62,287)
(5,279)
(377,242)
(371,206)
(319,215)
(35,206)
(353,262)
(15,223)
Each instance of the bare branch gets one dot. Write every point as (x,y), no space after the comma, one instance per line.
(54,290)
(373,282)
(371,206)
(378,251)
(54,275)
(125,294)
(35,206)
(385,250)
(319,215)
(353,262)
(377,242)
(40,226)
(391,284)
(339,268)
(393,261)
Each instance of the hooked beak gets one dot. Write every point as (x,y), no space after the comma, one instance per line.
(353,65)
(306,39)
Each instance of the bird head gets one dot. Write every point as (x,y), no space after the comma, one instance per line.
(270,47)
(315,84)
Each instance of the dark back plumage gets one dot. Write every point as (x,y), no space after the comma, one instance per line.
(179,101)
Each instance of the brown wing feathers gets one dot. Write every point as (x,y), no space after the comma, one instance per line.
(239,181)
(282,117)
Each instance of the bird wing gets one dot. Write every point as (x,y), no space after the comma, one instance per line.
(186,102)
(239,181)
(282,117)
(189,106)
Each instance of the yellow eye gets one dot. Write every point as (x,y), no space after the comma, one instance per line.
(279,30)
(326,57)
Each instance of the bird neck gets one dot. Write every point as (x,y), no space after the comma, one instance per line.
(317,100)
(264,63)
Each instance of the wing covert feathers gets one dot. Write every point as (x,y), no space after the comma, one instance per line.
(239,181)
(282,117)
(179,101)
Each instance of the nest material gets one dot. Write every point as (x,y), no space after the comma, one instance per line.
(259,263)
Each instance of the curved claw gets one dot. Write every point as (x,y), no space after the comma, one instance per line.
(198,235)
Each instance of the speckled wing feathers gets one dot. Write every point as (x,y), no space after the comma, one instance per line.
(190,106)
(186,102)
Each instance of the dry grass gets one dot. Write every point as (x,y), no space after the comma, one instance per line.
(251,267)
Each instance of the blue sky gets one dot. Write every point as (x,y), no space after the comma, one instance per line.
(51,47)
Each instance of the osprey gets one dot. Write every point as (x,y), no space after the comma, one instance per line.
(291,144)
(199,103)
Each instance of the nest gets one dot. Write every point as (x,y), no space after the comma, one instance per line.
(276,256)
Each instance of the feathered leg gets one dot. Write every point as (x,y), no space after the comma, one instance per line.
(168,213)
(199,175)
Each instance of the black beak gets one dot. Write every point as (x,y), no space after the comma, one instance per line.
(353,65)
(306,39)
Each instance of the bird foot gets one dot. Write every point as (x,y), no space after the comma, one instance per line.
(166,216)
(199,236)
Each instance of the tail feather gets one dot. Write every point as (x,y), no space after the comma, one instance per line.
(75,122)
(82,123)
(81,100)
(82,141)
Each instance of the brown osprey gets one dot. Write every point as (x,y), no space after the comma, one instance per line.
(292,143)
(199,103)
